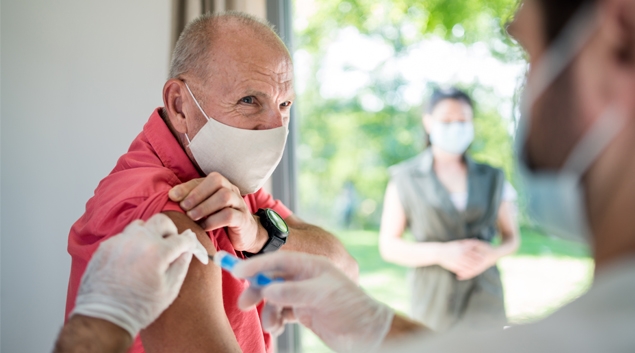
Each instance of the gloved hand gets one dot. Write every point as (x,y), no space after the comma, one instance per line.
(318,295)
(134,276)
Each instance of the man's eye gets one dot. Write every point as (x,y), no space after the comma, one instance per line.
(247,100)
(286,104)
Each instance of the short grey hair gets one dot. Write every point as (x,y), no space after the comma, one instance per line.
(195,42)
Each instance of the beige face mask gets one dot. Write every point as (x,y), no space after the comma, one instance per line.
(247,158)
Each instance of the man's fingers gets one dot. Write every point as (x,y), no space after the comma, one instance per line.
(205,188)
(222,198)
(226,217)
(181,191)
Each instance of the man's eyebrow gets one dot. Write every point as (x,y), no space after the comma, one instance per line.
(255,93)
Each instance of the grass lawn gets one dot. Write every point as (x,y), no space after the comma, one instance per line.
(545,274)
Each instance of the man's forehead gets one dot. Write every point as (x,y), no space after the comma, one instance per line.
(250,56)
(254,73)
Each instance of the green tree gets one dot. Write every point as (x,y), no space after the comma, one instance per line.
(342,141)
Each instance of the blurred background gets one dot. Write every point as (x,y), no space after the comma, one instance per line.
(363,72)
(79,80)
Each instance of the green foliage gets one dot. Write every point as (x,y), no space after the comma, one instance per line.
(405,22)
(341,142)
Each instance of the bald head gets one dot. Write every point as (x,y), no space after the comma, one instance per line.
(232,68)
(211,34)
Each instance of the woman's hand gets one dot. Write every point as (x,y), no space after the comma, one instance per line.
(489,257)
(467,258)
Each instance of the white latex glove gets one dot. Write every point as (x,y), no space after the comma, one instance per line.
(318,295)
(134,276)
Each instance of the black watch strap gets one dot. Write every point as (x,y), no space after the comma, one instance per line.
(276,228)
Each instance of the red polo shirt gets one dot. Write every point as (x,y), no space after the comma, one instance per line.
(137,188)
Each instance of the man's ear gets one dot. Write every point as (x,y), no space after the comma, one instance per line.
(622,17)
(620,22)
(173,93)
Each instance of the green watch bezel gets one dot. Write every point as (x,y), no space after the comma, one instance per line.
(276,228)
(277,221)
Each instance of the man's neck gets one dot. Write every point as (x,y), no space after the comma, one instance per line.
(615,234)
(181,140)
(610,189)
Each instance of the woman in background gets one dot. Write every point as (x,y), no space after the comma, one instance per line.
(454,207)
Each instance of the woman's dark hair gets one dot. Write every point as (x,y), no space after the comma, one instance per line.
(439,95)
(557,14)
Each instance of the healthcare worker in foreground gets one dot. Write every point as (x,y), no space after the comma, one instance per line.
(576,156)
(130,280)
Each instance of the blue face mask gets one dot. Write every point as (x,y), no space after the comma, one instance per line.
(556,198)
(454,137)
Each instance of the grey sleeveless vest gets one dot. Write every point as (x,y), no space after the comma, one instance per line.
(438,299)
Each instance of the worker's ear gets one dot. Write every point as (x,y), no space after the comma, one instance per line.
(427,123)
(620,34)
(173,96)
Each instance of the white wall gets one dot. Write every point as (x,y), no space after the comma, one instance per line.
(79,80)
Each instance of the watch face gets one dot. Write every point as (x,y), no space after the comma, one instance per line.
(278,221)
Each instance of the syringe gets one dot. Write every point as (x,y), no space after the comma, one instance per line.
(227,262)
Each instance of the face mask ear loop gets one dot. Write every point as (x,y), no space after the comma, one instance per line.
(555,60)
(562,52)
(199,108)
(196,101)
(595,141)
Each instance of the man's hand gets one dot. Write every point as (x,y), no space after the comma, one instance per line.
(134,276)
(318,295)
(214,203)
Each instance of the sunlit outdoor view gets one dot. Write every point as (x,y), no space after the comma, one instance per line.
(364,70)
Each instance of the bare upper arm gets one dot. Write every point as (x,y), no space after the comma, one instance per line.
(196,321)
(507,222)
(393,217)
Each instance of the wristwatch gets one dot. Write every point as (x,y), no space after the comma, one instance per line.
(277,229)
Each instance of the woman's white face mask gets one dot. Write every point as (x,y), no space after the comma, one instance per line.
(453,137)
(556,199)
(247,158)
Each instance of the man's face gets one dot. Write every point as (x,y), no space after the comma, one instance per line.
(565,110)
(599,80)
(250,85)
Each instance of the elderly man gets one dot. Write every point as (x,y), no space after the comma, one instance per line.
(576,158)
(221,132)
